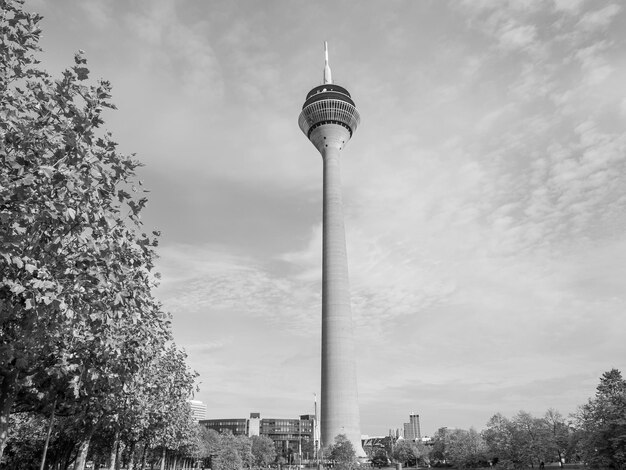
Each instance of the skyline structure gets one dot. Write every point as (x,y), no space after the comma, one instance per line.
(328,119)
(412,430)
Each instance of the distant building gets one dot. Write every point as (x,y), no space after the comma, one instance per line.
(412,429)
(198,409)
(373,443)
(289,435)
(254,425)
(236,426)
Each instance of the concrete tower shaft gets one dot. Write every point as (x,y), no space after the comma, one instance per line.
(329,118)
(340,403)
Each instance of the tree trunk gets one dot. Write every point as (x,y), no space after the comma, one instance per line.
(120,450)
(163,459)
(131,457)
(143,456)
(114,449)
(175,459)
(50,424)
(83,449)
(8,391)
(67,456)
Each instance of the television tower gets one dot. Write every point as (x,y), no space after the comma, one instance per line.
(328,119)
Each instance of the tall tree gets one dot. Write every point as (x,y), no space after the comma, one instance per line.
(263,450)
(439,445)
(76,309)
(465,448)
(229,454)
(602,421)
(227,458)
(502,440)
(170,424)
(379,458)
(531,438)
(559,435)
(343,453)
(406,452)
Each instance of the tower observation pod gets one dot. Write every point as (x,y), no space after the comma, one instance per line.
(329,119)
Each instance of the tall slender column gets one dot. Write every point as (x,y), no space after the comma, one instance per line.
(328,119)
(340,410)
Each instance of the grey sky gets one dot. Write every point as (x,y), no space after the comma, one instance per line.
(485,193)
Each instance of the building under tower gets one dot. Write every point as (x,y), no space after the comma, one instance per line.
(329,119)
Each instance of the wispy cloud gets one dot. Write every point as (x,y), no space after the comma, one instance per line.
(175,50)
(211,279)
(599,19)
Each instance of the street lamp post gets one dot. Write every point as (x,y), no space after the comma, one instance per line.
(300,443)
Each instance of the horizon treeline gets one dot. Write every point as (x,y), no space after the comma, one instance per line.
(595,436)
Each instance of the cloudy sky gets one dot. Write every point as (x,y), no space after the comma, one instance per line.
(485,193)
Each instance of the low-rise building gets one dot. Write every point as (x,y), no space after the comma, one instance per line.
(236,426)
(290,436)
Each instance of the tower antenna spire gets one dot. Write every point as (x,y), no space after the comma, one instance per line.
(328,76)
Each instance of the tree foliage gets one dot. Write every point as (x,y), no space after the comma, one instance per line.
(560,436)
(602,422)
(597,435)
(342,453)
(408,452)
(459,447)
(81,332)
(233,452)
(263,450)
(517,441)
(379,458)
(228,459)
(527,441)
